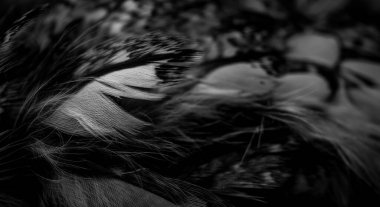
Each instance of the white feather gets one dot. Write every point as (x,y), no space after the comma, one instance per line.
(91,112)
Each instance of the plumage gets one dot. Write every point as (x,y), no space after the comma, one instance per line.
(193,104)
(91,111)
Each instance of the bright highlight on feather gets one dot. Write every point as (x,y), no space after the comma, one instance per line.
(236,80)
(91,112)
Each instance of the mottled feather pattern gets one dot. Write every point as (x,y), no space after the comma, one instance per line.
(87,108)
(95,112)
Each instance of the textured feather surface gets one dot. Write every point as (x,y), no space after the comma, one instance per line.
(102,111)
(91,111)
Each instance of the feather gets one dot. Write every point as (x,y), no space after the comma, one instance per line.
(241,78)
(102,115)
(91,112)
(351,134)
(76,191)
